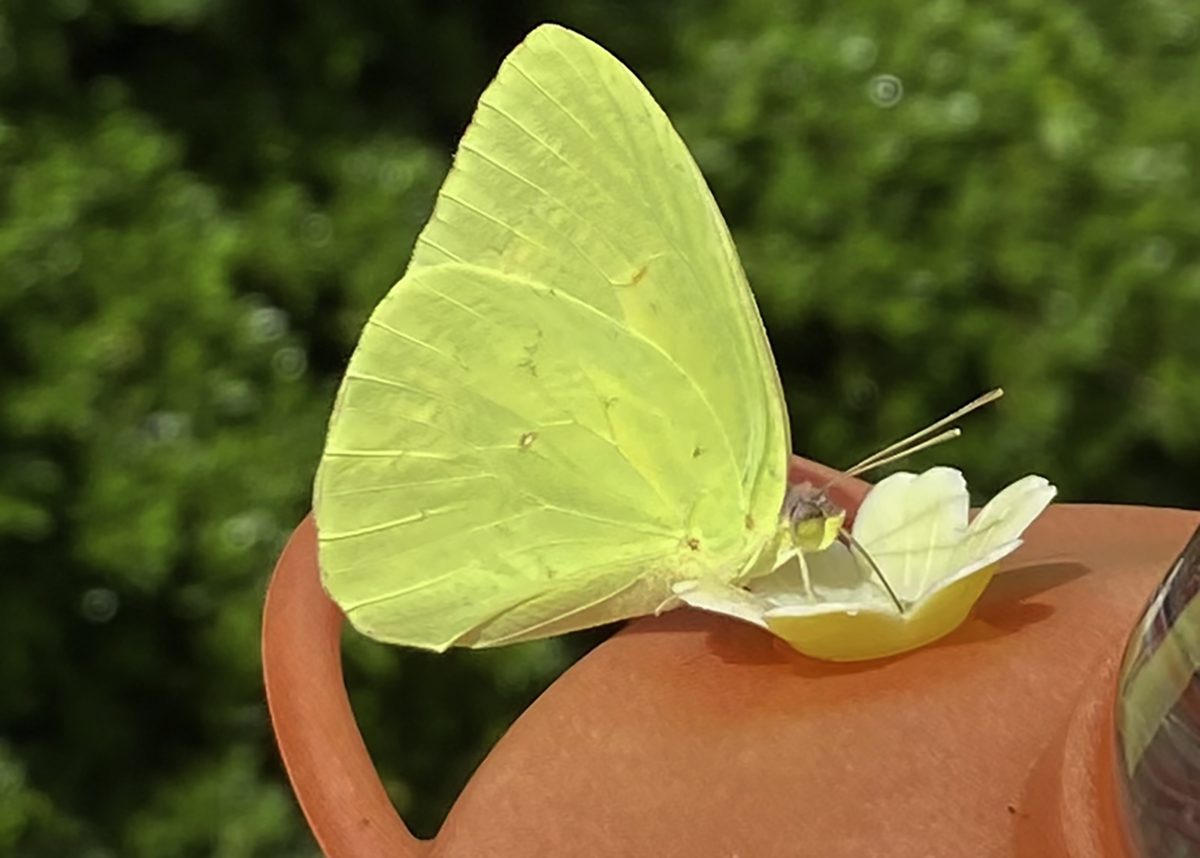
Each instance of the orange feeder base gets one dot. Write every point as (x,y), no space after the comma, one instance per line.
(694,735)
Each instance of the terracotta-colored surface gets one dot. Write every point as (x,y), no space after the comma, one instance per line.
(693,735)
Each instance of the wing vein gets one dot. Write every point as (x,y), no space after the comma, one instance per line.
(389,454)
(419,515)
(391,487)
(510,171)
(375,322)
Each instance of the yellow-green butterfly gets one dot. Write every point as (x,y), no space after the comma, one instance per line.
(568,403)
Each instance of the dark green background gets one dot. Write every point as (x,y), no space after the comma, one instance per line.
(201,200)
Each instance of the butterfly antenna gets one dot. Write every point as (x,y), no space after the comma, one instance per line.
(913,443)
(880,461)
(948,435)
(866,555)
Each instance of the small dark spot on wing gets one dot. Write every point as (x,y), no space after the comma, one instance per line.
(697,451)
(527,439)
(636,277)
(693,543)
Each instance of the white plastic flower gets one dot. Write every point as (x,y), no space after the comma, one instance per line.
(916,529)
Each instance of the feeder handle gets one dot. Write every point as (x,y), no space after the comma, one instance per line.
(331,773)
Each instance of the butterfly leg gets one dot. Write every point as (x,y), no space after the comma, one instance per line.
(804,571)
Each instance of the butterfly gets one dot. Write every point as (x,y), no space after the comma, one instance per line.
(567,405)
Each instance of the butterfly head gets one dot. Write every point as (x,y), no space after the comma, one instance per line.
(814,519)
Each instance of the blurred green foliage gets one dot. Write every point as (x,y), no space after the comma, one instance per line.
(201,200)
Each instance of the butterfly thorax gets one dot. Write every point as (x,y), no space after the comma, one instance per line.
(814,519)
